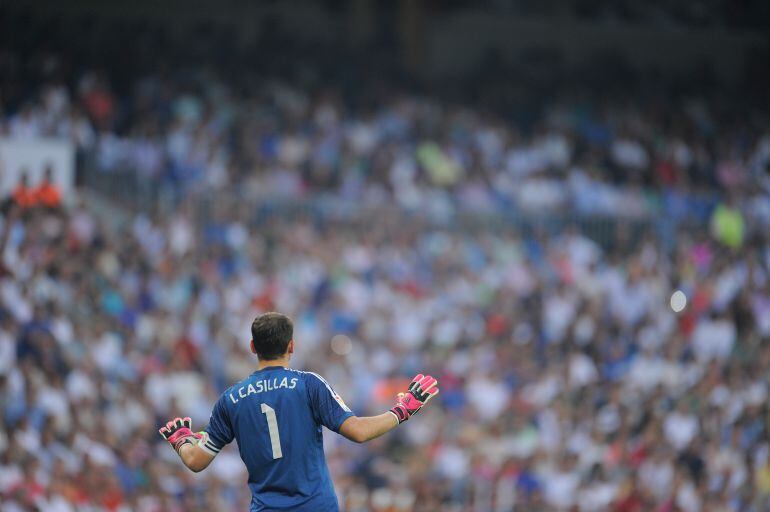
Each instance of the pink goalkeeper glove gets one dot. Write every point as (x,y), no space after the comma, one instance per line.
(421,389)
(178,432)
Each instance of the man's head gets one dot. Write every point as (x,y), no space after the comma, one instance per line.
(272,336)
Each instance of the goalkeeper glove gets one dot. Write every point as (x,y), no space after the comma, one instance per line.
(178,432)
(421,389)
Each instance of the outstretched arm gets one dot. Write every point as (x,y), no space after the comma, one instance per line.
(361,430)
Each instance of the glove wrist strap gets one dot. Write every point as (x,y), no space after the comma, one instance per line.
(178,445)
(400,413)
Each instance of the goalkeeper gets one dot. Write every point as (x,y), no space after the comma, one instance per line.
(276,414)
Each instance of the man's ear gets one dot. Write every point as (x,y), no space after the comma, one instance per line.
(252,347)
(291,347)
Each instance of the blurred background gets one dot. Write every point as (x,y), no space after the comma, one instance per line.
(504,193)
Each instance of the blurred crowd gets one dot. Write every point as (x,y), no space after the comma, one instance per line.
(199,136)
(568,382)
(192,119)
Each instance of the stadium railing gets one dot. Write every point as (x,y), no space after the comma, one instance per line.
(135,193)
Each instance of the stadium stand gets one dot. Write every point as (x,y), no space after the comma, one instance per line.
(257,193)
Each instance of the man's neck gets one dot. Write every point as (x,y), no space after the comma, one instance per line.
(264,363)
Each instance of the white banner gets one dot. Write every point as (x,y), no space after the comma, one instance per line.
(33,156)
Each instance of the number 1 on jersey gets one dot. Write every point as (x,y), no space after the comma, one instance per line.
(272,428)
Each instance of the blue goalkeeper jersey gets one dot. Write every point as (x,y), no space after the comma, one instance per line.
(276,415)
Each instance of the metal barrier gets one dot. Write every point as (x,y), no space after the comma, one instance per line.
(159,198)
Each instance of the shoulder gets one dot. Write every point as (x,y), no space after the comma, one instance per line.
(311,379)
(313,383)
(323,390)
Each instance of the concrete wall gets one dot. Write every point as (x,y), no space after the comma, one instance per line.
(446,44)
(457,42)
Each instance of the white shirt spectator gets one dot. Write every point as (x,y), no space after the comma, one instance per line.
(496,395)
(713,339)
(582,370)
(687,498)
(680,429)
(656,474)
(597,496)
(630,153)
(452,461)
(561,488)
(7,352)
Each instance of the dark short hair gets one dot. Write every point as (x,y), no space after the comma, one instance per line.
(271,333)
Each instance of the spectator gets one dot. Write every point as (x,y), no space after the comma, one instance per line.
(727,225)
(47,194)
(23,195)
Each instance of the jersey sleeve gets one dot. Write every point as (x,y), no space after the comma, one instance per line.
(219,431)
(328,408)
